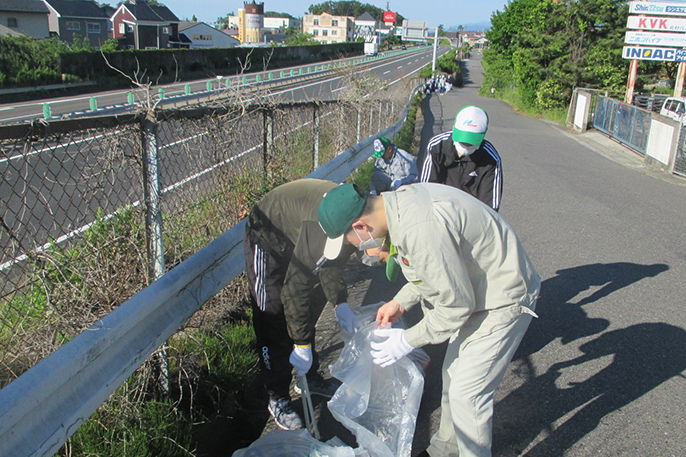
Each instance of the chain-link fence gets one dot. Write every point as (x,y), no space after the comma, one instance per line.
(95,209)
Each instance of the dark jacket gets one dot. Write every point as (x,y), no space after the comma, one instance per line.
(479,174)
(285,225)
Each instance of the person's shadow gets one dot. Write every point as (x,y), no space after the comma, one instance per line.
(645,355)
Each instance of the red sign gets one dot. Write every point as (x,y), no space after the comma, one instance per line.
(389,16)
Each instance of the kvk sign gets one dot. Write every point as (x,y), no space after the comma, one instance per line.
(665,24)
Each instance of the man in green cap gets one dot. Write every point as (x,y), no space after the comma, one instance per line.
(476,284)
(462,158)
(393,168)
(289,283)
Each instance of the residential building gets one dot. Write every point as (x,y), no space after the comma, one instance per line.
(24,17)
(365,27)
(139,25)
(274,24)
(329,29)
(202,36)
(69,19)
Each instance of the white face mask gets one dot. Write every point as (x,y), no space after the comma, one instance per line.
(464,149)
(371,243)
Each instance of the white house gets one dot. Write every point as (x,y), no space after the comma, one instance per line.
(201,35)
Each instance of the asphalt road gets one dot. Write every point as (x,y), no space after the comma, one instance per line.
(601,372)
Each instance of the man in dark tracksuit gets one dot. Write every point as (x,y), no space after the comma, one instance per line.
(289,285)
(462,158)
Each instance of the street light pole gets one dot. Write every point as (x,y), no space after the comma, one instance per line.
(433,63)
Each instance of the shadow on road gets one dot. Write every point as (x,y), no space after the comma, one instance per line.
(622,365)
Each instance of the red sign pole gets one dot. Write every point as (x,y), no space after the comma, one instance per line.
(679,85)
(631,82)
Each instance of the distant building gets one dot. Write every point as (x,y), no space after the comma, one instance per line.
(139,25)
(329,29)
(272,24)
(201,36)
(365,27)
(24,17)
(84,18)
(251,23)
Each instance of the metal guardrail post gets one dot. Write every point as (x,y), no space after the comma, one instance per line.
(153,224)
(315,150)
(245,80)
(208,86)
(130,98)
(160,91)
(47,111)
(93,103)
(187,89)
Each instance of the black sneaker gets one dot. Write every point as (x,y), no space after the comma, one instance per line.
(320,386)
(284,415)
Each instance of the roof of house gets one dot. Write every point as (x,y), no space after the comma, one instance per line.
(77,8)
(4,31)
(142,11)
(24,6)
(366,17)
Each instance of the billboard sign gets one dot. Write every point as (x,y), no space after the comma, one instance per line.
(655,39)
(652,53)
(664,24)
(254,21)
(661,8)
(389,17)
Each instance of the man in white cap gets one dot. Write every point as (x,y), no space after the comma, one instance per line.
(462,158)
(393,168)
(476,284)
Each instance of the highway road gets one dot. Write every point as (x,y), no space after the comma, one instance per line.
(389,65)
(52,189)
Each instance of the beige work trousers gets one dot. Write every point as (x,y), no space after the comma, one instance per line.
(475,363)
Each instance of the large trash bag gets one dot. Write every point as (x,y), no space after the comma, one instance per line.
(378,405)
(293,443)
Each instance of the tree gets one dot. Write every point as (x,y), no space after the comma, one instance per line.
(300,39)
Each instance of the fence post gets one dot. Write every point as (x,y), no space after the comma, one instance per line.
(208,86)
(129,98)
(378,127)
(94,104)
(187,89)
(47,111)
(315,151)
(153,223)
(359,125)
(268,140)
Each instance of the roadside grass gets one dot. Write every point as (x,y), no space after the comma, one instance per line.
(513,98)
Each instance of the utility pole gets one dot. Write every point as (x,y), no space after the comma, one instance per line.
(433,64)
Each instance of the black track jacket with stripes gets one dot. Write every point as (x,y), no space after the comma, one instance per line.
(286,226)
(479,174)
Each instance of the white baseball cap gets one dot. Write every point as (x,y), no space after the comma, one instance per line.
(470,126)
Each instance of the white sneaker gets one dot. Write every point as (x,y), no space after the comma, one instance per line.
(284,415)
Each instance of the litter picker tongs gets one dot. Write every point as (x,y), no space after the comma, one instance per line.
(310,420)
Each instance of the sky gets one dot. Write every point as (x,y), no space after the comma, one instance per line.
(446,12)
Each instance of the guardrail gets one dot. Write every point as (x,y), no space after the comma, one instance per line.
(42,408)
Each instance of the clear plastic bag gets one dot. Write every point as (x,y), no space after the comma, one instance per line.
(378,405)
(290,443)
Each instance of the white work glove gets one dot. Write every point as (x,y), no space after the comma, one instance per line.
(301,359)
(346,318)
(396,183)
(392,348)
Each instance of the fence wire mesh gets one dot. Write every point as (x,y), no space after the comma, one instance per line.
(76,198)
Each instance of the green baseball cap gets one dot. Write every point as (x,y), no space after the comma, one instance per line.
(380,146)
(470,126)
(337,212)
